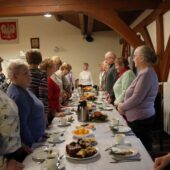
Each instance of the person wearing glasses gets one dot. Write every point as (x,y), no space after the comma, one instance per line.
(138,104)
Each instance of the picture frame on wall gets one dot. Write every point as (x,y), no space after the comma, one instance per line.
(35,43)
(9,33)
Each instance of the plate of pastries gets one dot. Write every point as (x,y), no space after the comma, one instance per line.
(98,116)
(82,149)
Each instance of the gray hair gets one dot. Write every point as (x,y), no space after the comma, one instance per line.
(110,54)
(15,67)
(148,54)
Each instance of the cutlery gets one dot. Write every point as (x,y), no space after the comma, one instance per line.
(59,161)
(116,160)
(109,148)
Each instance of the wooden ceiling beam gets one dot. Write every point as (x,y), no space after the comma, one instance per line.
(115,4)
(90,25)
(159,35)
(99,9)
(58,17)
(145,34)
(82,23)
(162,8)
(166,63)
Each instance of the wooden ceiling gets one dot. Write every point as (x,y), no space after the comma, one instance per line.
(88,15)
(75,18)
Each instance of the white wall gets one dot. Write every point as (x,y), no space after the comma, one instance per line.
(72,47)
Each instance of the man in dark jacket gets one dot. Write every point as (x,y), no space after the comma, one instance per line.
(111,74)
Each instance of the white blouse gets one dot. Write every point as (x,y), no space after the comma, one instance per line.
(85,78)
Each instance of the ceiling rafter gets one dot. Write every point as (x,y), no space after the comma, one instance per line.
(115,4)
(82,23)
(159,35)
(162,8)
(99,9)
(166,63)
(145,34)
(90,24)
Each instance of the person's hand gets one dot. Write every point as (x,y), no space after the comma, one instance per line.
(26,148)
(162,162)
(119,109)
(60,114)
(14,165)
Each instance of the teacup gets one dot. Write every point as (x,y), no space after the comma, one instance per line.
(119,139)
(63,121)
(51,161)
(100,94)
(55,137)
(114,122)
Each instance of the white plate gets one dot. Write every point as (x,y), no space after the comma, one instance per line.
(124,129)
(98,102)
(122,149)
(41,154)
(83,136)
(50,140)
(69,113)
(108,108)
(83,159)
(62,125)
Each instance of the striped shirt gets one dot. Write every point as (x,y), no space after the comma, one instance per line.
(39,86)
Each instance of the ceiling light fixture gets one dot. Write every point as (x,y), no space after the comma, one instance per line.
(47,15)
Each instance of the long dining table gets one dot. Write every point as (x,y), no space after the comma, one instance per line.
(104,138)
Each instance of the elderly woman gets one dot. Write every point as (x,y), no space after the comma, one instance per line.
(102,75)
(125,78)
(9,134)
(49,66)
(70,81)
(59,78)
(38,85)
(138,105)
(31,109)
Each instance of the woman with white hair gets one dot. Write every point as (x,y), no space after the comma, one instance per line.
(31,109)
(138,104)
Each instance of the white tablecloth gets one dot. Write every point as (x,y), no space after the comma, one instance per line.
(104,138)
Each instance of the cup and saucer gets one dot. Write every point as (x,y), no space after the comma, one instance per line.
(56,138)
(119,140)
(63,122)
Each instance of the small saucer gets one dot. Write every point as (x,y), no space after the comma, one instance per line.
(64,125)
(55,142)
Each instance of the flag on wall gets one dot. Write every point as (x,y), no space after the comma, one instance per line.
(8,31)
